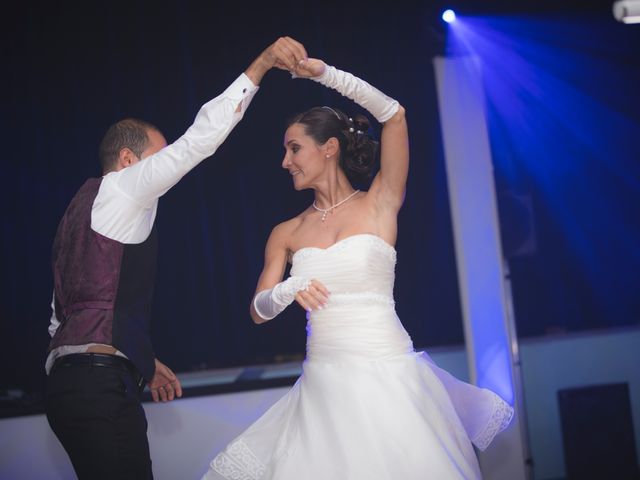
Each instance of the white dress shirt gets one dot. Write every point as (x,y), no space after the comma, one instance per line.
(126,204)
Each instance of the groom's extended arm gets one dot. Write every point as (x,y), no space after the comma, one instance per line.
(125,207)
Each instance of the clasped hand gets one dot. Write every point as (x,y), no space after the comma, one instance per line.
(314,297)
(289,54)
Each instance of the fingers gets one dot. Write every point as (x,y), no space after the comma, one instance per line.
(319,286)
(159,393)
(167,392)
(289,52)
(302,301)
(164,386)
(164,393)
(177,387)
(315,297)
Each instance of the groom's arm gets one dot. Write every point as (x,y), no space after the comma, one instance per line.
(125,207)
(149,179)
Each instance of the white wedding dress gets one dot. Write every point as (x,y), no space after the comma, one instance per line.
(367,406)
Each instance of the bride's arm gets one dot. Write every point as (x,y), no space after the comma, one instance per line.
(274,295)
(275,262)
(388,187)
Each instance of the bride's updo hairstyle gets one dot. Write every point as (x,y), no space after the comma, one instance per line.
(358,150)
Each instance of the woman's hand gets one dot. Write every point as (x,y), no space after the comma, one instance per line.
(311,67)
(314,297)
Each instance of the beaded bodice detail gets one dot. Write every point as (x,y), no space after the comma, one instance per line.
(359,320)
(359,264)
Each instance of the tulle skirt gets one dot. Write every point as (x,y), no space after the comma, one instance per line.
(397,417)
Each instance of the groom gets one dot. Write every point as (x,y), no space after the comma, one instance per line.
(103,260)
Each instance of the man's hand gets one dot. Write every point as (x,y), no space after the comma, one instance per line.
(285,54)
(164,385)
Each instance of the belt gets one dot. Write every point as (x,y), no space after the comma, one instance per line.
(100,360)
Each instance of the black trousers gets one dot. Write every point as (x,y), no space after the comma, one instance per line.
(97,414)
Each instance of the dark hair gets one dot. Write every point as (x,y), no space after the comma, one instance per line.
(128,133)
(358,149)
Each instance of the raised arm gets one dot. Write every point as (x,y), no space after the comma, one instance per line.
(147,180)
(388,188)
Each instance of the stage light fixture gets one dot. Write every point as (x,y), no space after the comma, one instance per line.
(627,11)
(449,16)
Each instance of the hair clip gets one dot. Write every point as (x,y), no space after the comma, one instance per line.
(335,113)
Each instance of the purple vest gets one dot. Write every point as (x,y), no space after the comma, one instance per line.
(103,288)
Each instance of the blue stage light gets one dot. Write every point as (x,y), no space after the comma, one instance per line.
(449,16)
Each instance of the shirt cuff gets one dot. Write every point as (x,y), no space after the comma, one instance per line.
(242,90)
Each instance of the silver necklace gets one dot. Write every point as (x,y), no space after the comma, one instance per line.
(325,211)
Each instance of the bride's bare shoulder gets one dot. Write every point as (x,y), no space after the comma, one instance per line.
(288,227)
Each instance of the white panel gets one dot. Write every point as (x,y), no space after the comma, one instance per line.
(479,258)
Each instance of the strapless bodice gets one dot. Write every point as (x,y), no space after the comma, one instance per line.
(359,319)
(362,263)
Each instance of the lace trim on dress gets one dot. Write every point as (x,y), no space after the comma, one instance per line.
(369,238)
(501,416)
(238,462)
(360,297)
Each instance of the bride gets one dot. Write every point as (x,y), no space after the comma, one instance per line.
(367,405)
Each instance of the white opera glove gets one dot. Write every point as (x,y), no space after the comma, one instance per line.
(269,303)
(361,92)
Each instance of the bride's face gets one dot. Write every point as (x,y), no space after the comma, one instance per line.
(304,158)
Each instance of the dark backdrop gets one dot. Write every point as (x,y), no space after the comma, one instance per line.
(72,70)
